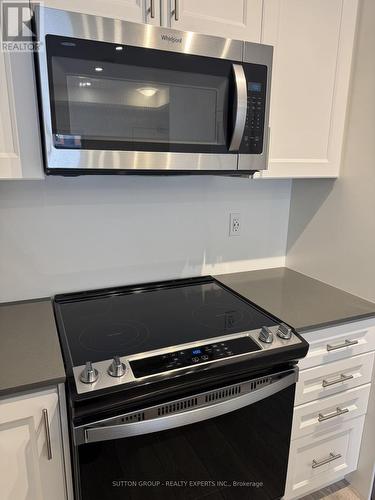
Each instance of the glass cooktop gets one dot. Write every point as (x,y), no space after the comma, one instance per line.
(132,320)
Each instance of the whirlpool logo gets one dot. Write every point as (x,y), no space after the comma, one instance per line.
(171,38)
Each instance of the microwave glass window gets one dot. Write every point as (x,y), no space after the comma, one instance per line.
(143,107)
(142,104)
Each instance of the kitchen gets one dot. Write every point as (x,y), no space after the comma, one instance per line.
(283,247)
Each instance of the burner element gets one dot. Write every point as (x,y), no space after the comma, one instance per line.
(219,318)
(113,338)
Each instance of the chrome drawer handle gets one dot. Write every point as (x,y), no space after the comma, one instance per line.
(331,458)
(48,435)
(343,378)
(337,413)
(347,343)
(176,10)
(151,9)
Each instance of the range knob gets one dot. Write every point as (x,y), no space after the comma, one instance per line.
(89,374)
(117,369)
(266,335)
(284,331)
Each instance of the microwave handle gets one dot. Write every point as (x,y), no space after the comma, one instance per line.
(241,110)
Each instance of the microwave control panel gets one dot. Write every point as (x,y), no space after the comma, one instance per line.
(256,82)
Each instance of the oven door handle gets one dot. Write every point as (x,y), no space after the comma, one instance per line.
(104,433)
(241,107)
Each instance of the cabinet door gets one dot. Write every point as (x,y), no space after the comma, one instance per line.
(20,147)
(27,471)
(9,150)
(313,43)
(323,458)
(20,150)
(138,11)
(241,19)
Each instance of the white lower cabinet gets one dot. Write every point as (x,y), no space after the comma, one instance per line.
(338,342)
(331,401)
(322,458)
(31,451)
(325,380)
(315,416)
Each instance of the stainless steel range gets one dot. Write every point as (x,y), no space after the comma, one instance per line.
(178,389)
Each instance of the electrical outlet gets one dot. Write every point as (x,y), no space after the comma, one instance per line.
(234,224)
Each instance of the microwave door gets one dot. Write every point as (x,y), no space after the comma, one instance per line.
(139,109)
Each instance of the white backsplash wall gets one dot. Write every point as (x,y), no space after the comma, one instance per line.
(66,234)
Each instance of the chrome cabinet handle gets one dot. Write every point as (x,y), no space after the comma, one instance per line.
(337,413)
(343,378)
(151,9)
(240,120)
(347,343)
(331,458)
(48,435)
(176,10)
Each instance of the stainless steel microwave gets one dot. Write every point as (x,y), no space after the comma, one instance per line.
(121,97)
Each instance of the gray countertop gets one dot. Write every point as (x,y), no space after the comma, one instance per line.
(30,356)
(302,302)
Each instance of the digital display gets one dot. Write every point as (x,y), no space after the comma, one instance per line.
(254,87)
(197,351)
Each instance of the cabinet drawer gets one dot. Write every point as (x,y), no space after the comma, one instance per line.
(332,378)
(323,457)
(327,412)
(339,342)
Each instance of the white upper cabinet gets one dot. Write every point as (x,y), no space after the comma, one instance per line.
(9,156)
(240,19)
(20,146)
(313,41)
(138,11)
(31,455)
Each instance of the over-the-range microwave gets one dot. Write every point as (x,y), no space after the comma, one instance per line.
(121,97)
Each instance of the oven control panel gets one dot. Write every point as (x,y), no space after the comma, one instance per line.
(192,356)
(130,370)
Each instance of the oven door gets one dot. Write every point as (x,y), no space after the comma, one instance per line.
(117,95)
(229,443)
